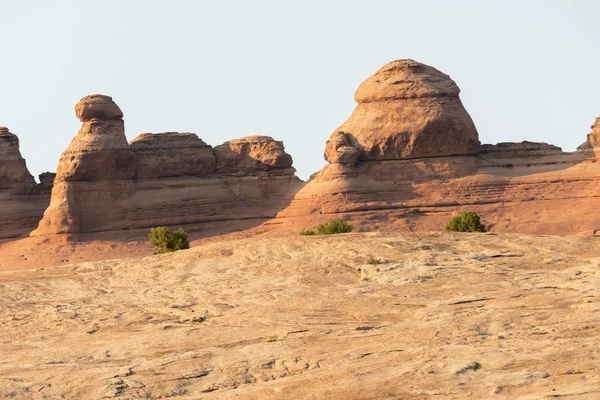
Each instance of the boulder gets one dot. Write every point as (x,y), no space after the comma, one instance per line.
(253,154)
(172,154)
(407,110)
(339,151)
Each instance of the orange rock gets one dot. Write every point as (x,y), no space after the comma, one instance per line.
(408,110)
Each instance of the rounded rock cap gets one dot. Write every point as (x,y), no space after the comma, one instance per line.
(405,79)
(97,106)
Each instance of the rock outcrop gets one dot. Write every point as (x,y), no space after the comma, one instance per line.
(104,183)
(252,154)
(46,182)
(21,205)
(405,110)
(93,175)
(592,144)
(14,175)
(172,154)
(409,158)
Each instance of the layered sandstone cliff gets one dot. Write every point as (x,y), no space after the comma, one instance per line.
(409,158)
(21,205)
(104,183)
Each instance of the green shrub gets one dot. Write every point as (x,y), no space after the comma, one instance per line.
(307,232)
(337,225)
(374,261)
(467,222)
(165,241)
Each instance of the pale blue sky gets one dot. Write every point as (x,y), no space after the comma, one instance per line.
(528,70)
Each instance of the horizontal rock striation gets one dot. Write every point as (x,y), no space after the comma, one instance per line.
(104,183)
(172,154)
(405,110)
(407,177)
(21,205)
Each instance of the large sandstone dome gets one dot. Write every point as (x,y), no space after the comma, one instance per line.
(405,110)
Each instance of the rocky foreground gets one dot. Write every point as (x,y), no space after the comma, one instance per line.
(355,316)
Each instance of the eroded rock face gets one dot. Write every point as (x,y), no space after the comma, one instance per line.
(407,110)
(172,154)
(93,174)
(100,150)
(252,154)
(593,141)
(14,174)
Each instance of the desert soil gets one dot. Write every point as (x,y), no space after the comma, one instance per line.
(446,316)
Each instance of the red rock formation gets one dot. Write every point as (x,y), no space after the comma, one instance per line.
(105,184)
(14,175)
(21,206)
(172,154)
(93,175)
(252,154)
(406,110)
(409,177)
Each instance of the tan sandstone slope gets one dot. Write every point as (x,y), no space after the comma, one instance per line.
(447,316)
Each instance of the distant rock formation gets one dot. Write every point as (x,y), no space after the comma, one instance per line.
(592,144)
(46,182)
(104,183)
(405,110)
(14,175)
(409,158)
(21,205)
(94,173)
(172,154)
(252,154)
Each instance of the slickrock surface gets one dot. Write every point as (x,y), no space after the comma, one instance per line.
(172,154)
(407,110)
(253,153)
(448,316)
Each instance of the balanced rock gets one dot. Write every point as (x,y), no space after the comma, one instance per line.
(100,150)
(14,174)
(93,174)
(253,154)
(172,154)
(406,110)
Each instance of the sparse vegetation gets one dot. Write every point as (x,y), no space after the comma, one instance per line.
(166,241)
(467,222)
(374,261)
(336,225)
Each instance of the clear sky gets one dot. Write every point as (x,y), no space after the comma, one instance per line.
(528,70)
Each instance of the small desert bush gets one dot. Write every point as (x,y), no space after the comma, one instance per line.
(337,225)
(467,222)
(374,261)
(165,241)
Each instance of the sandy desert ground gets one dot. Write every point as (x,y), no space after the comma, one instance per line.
(446,316)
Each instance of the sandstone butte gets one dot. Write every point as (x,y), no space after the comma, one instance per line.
(407,159)
(258,315)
